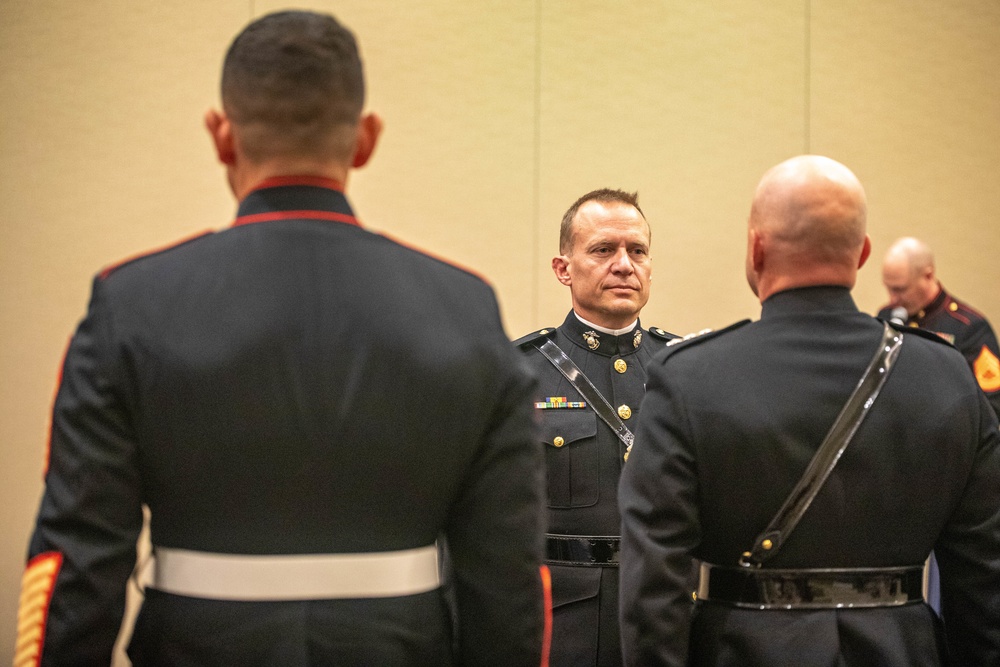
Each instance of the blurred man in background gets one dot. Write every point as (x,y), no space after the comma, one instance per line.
(917,298)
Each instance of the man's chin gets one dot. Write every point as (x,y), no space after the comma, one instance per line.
(624,309)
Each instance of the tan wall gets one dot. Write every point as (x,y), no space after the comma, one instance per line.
(498,115)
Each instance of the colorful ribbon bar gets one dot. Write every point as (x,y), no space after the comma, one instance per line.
(558,402)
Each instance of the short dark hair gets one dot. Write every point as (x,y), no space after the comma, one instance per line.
(606,195)
(291,80)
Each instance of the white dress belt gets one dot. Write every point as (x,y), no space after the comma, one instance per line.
(219,576)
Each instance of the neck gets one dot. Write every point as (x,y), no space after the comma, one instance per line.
(246,176)
(613,331)
(825,276)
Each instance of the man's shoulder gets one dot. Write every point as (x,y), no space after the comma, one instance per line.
(535,338)
(698,340)
(415,256)
(662,335)
(925,334)
(963,313)
(162,253)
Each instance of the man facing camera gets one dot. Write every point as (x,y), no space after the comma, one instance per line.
(304,406)
(810,461)
(592,377)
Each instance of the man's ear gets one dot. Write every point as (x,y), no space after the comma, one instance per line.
(756,251)
(866,251)
(221,132)
(369,129)
(560,266)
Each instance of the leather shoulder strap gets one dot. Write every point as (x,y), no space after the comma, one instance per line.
(769,542)
(582,384)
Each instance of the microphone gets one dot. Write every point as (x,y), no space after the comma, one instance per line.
(898,315)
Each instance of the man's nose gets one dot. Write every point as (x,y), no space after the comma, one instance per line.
(622,262)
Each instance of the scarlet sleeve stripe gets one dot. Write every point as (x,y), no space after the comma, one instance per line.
(296,215)
(547,602)
(37,585)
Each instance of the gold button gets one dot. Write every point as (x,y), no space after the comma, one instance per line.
(767,544)
(953,306)
(624,411)
(621,366)
(558,442)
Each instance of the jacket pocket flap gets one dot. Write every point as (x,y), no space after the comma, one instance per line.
(561,427)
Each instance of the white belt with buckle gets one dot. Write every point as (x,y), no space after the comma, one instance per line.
(295,577)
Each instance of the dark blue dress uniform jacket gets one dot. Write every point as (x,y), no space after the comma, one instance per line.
(583,472)
(292,385)
(729,424)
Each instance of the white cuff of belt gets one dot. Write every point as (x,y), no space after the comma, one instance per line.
(295,577)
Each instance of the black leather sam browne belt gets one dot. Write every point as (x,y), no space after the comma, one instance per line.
(811,589)
(585,550)
(751,586)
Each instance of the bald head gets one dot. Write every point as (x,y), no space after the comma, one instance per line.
(807,226)
(908,274)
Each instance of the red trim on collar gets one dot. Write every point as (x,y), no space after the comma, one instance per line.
(317,181)
(296,215)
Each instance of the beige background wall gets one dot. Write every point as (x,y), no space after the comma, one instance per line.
(499,113)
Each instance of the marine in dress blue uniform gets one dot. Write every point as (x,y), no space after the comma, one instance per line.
(918,299)
(729,423)
(604,244)
(953,320)
(305,407)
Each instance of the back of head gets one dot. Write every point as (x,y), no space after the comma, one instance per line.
(292,83)
(810,211)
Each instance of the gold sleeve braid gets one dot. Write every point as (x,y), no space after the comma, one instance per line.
(37,585)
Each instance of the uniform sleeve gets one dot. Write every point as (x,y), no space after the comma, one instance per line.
(495,533)
(968,556)
(983,355)
(660,530)
(84,544)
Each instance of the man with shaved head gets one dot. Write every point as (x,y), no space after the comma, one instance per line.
(909,278)
(810,539)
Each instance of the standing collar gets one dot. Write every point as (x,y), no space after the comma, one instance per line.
(610,332)
(296,198)
(809,300)
(607,345)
